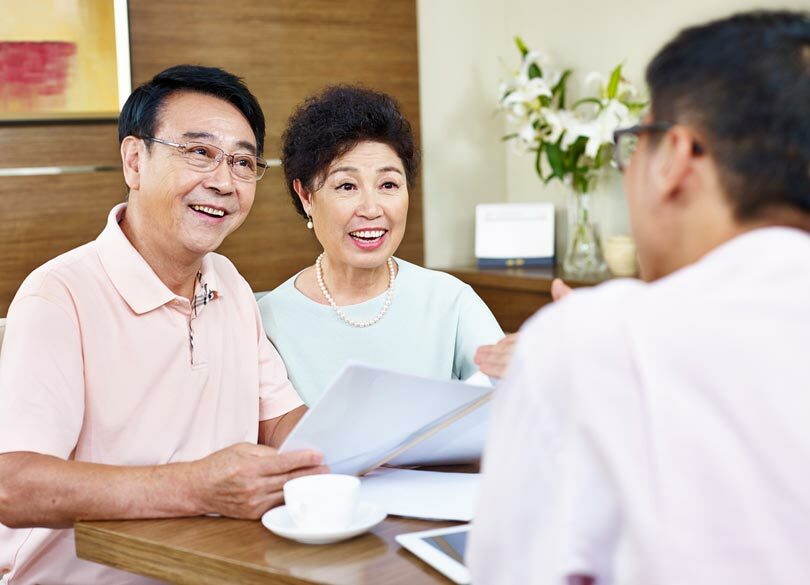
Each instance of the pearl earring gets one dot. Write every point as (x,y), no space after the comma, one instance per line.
(309,222)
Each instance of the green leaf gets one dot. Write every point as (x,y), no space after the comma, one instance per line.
(636,105)
(604,155)
(534,68)
(575,152)
(590,100)
(524,50)
(538,163)
(509,137)
(559,89)
(579,182)
(613,84)
(554,154)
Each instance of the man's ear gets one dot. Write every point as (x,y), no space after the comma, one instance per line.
(672,162)
(132,156)
(304,195)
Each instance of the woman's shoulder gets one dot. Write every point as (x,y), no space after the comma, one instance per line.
(435,284)
(434,278)
(283,294)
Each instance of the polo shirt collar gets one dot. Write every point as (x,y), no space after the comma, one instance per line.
(132,276)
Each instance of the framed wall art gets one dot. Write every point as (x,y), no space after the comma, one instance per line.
(63,59)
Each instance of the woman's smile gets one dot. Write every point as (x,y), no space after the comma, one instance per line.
(368,239)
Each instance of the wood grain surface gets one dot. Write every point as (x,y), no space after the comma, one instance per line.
(213,551)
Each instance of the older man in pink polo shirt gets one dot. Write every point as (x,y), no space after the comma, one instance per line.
(136,380)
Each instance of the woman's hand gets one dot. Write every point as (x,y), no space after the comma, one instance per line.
(494,359)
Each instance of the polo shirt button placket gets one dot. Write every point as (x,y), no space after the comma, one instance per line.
(183,306)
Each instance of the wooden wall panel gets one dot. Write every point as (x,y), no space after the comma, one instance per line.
(42,145)
(45,216)
(285,50)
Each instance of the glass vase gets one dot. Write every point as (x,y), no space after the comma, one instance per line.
(584,259)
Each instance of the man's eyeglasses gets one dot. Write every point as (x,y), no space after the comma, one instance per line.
(626,141)
(206,157)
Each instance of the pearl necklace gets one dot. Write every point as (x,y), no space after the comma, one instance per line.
(389,295)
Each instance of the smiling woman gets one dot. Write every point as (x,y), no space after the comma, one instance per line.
(349,159)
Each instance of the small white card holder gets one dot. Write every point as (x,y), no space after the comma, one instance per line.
(514,234)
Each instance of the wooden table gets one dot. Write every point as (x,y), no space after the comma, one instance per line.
(513,294)
(201,551)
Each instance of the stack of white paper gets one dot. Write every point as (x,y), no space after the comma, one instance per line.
(431,495)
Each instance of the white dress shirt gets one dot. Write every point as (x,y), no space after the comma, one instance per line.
(658,433)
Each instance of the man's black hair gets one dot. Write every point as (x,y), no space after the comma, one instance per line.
(140,115)
(744,83)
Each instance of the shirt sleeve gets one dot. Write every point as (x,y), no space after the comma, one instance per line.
(41,379)
(276,393)
(477,326)
(545,508)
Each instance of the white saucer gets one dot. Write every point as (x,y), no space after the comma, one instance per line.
(367,516)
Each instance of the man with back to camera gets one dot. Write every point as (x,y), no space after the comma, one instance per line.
(135,376)
(656,433)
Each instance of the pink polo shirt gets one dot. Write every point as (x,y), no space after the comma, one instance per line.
(101,362)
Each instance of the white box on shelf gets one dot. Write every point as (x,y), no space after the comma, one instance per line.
(514,234)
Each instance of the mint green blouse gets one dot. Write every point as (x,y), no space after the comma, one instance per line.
(432,328)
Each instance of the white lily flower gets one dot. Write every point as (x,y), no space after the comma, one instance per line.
(533,58)
(555,124)
(626,90)
(504,89)
(552,76)
(522,101)
(574,128)
(597,81)
(600,131)
(538,121)
(615,115)
(516,106)
(596,141)
(537,87)
(528,135)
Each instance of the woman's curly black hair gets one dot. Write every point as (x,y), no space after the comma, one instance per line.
(328,125)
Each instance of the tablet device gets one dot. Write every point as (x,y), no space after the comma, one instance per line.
(441,548)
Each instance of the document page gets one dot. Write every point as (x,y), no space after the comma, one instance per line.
(367,413)
(461,442)
(431,495)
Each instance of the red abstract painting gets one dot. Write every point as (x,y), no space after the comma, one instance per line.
(34,75)
(63,59)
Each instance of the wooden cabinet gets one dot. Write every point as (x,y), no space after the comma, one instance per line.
(512,294)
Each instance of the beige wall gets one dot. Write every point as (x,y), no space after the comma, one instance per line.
(463,161)
(460,47)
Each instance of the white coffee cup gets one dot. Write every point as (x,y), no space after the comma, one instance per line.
(322,503)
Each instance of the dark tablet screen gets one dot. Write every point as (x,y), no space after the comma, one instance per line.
(453,545)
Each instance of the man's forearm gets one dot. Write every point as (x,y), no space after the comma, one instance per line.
(41,490)
(273,432)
